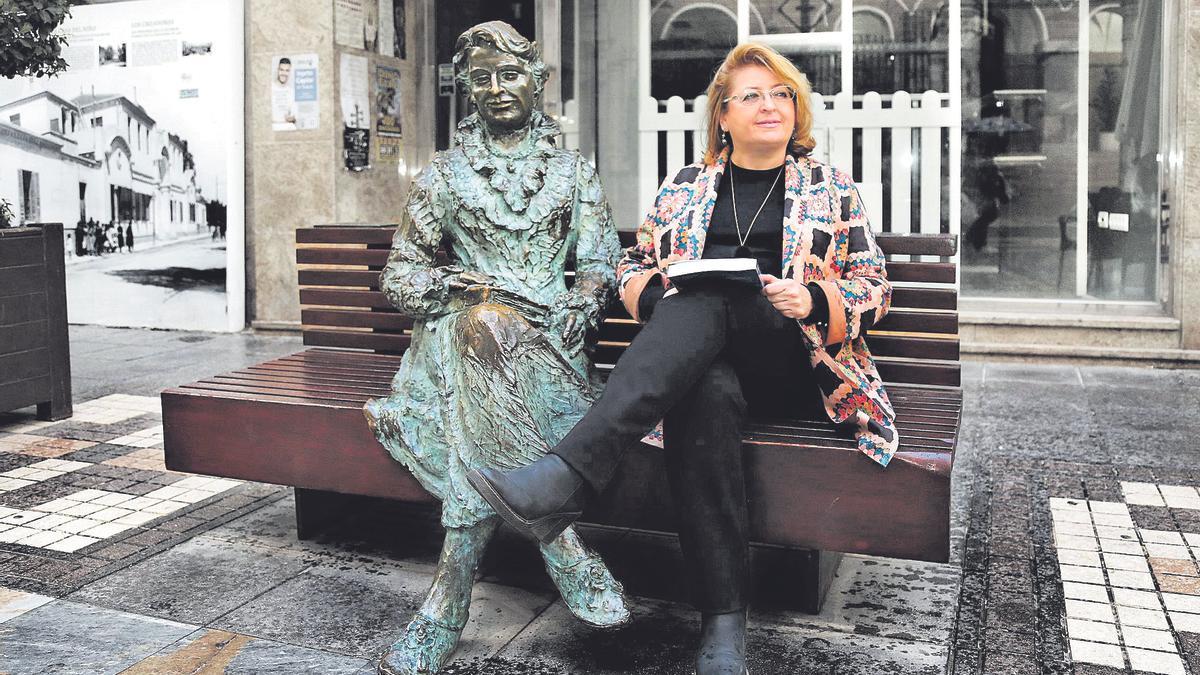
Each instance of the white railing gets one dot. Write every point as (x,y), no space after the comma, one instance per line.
(834,124)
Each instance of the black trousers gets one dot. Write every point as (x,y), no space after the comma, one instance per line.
(707,360)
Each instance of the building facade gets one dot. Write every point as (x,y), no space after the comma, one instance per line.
(1053,136)
(101,158)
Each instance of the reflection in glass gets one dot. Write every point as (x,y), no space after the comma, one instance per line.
(1022,150)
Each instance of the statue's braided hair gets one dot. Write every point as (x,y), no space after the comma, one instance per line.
(504,37)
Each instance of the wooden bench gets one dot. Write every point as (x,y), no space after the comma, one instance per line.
(298,420)
(35,354)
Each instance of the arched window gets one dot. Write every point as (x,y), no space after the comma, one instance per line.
(691,44)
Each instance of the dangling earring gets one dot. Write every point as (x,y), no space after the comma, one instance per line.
(724,137)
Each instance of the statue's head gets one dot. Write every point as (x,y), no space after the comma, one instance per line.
(502,72)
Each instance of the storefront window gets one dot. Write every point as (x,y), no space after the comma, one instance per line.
(1050,210)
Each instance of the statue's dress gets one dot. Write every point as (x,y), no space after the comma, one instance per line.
(491,384)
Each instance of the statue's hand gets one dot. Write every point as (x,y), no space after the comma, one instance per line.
(574,330)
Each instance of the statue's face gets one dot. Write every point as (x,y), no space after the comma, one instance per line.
(502,88)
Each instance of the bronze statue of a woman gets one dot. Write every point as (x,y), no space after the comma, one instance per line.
(496,373)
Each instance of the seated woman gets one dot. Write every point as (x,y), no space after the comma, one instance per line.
(709,356)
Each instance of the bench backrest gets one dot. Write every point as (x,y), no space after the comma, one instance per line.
(342,306)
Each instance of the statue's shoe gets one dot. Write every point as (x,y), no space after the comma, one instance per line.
(424,648)
(590,591)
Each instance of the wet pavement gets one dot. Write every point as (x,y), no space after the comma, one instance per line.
(1076,530)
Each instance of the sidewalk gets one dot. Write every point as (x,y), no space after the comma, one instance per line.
(1075,511)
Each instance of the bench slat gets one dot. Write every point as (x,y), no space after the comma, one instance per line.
(913,347)
(335,398)
(357,340)
(344,298)
(312,389)
(343,318)
(325,277)
(916,321)
(944,245)
(372,257)
(916,372)
(316,371)
(932,273)
(346,234)
(924,298)
(371,388)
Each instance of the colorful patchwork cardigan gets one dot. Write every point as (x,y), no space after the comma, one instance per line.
(826,239)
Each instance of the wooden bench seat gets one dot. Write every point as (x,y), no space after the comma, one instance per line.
(298,420)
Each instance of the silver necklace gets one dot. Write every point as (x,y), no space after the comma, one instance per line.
(741,249)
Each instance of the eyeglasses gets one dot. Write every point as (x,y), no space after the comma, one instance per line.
(781,94)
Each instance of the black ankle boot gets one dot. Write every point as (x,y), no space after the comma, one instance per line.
(722,644)
(539,500)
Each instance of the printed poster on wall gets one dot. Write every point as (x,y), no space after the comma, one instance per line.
(133,149)
(392,33)
(387,114)
(294,103)
(373,25)
(356,112)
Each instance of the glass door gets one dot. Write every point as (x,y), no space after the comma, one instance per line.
(1061,190)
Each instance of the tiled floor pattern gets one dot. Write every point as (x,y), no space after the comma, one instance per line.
(86,517)
(1128,589)
(87,493)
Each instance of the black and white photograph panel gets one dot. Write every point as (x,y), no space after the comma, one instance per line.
(141,151)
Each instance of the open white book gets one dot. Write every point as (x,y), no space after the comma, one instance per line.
(734,271)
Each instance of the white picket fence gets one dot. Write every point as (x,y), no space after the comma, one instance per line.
(833,128)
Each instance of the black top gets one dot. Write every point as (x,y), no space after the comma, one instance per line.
(764,240)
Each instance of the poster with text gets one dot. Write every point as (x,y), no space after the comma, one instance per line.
(294,102)
(356,24)
(387,115)
(134,149)
(392,29)
(355,101)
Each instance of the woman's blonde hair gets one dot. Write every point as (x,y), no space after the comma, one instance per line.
(754,54)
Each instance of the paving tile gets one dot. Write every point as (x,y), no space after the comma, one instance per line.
(14,603)
(1112,519)
(1121,546)
(1093,631)
(1185,622)
(1081,529)
(194,582)
(232,654)
(1092,611)
(1129,597)
(362,608)
(1090,592)
(1145,638)
(67,637)
(1170,583)
(1173,566)
(1168,551)
(1098,653)
(1144,618)
(1156,662)
(1120,561)
(1125,579)
(1182,603)
(1077,573)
